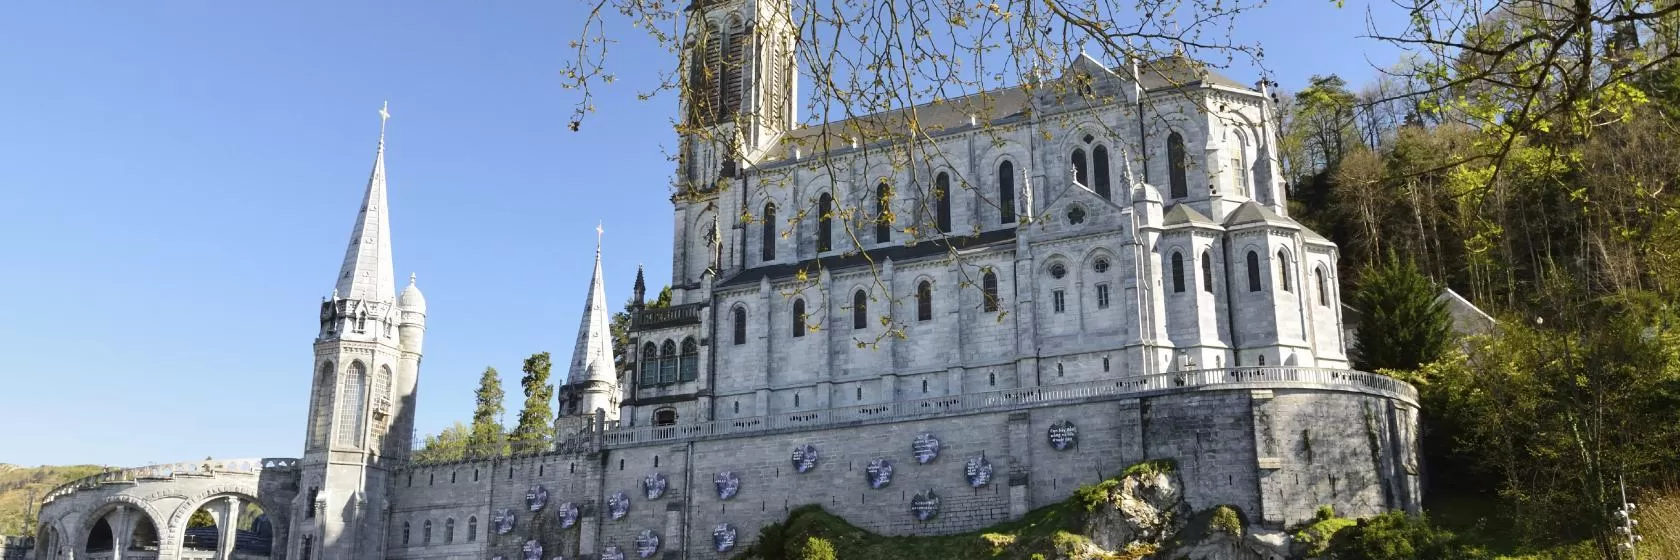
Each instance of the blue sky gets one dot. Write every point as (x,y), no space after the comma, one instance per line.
(178,180)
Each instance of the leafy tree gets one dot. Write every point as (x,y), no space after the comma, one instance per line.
(201,518)
(488,437)
(1402,324)
(449,445)
(536,419)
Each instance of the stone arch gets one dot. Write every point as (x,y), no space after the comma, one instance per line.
(174,534)
(78,540)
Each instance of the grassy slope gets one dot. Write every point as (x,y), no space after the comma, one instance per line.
(17,484)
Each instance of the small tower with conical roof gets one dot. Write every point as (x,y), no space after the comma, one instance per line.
(362,397)
(591,388)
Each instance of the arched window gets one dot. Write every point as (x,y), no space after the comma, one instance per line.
(1323,291)
(860,310)
(1253,272)
(1177,272)
(1283,272)
(767,251)
(668,362)
(650,364)
(825,223)
(1175,166)
(319,414)
(352,403)
(1099,170)
(734,61)
(1239,167)
(924,301)
(883,213)
(449,531)
(1081,171)
(740,326)
(361,321)
(942,202)
(665,417)
(307,548)
(1207,272)
(688,369)
(799,325)
(989,291)
(406,530)
(472,528)
(1006,192)
(426,533)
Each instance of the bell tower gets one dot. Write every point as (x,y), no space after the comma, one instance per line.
(362,397)
(740,90)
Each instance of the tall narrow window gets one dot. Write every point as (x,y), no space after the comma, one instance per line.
(989,291)
(449,531)
(1207,272)
(668,362)
(1283,272)
(825,223)
(650,364)
(319,409)
(942,202)
(1177,272)
(1175,166)
(767,252)
(1099,171)
(1058,300)
(426,533)
(1323,292)
(860,310)
(406,530)
(740,326)
(688,366)
(924,301)
(472,528)
(883,213)
(1253,272)
(734,61)
(1239,171)
(1081,171)
(352,402)
(799,325)
(1006,192)
(1102,296)
(308,547)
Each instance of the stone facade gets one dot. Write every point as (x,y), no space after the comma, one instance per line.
(1068,284)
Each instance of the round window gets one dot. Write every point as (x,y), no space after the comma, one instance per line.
(1057,271)
(1100,266)
(1076,215)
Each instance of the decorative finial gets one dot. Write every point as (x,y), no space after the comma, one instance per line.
(598,232)
(411,278)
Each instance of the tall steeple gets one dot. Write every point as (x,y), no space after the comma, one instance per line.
(367,274)
(592,359)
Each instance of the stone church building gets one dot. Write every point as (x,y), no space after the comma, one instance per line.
(927,321)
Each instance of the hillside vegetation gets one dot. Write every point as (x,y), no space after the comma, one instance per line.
(19,484)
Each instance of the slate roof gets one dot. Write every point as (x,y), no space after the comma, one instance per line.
(1184,214)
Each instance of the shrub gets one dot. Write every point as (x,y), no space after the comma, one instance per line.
(815,548)
(1325,512)
(1396,536)
(1226,520)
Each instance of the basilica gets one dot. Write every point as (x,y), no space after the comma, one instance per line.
(927,321)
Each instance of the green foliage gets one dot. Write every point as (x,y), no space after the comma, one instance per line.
(201,518)
(1325,512)
(21,489)
(1150,467)
(1226,520)
(1315,538)
(488,437)
(1402,324)
(815,548)
(1397,536)
(448,445)
(535,428)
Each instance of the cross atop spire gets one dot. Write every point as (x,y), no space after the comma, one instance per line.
(598,232)
(367,273)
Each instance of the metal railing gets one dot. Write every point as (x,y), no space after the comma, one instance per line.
(166,471)
(1026,397)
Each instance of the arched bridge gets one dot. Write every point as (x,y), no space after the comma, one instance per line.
(211,509)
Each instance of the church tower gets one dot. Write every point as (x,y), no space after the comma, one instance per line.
(738,98)
(590,392)
(361,406)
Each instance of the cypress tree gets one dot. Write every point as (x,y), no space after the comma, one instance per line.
(487,437)
(1403,325)
(536,420)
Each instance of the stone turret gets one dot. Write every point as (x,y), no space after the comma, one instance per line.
(591,388)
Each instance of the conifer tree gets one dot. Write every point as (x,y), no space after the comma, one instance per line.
(487,437)
(1402,325)
(536,420)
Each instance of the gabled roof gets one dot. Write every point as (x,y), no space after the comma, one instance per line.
(1180,71)
(1252,212)
(1182,213)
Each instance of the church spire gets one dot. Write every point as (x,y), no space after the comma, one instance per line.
(592,358)
(367,272)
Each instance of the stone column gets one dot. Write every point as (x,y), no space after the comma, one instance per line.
(229,528)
